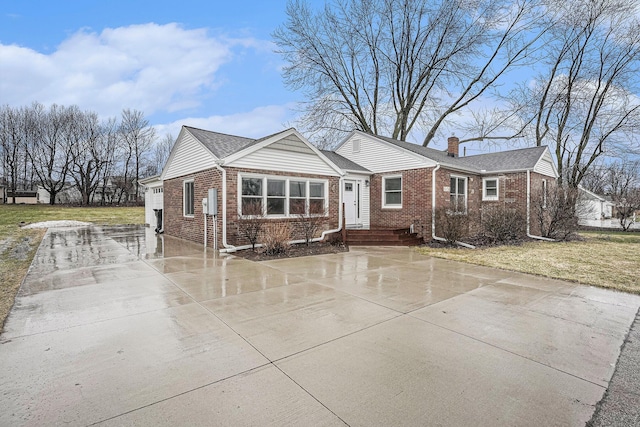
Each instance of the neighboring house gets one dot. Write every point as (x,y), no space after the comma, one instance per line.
(593,207)
(29,196)
(382,183)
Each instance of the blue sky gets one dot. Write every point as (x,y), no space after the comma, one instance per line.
(207,64)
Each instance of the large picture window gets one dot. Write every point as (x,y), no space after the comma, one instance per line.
(458,194)
(188,198)
(392,192)
(282,197)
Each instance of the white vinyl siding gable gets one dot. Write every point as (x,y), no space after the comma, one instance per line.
(189,156)
(286,155)
(545,166)
(379,156)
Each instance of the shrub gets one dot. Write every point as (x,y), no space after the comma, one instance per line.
(251,223)
(276,239)
(501,224)
(454,225)
(310,225)
(557,212)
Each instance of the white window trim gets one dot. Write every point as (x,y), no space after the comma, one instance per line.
(287,179)
(184,198)
(544,194)
(384,192)
(484,188)
(466,190)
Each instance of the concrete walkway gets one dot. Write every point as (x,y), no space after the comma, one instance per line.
(117,327)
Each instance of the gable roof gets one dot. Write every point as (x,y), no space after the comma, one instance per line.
(502,161)
(344,163)
(220,144)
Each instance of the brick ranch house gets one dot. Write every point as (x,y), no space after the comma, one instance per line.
(367,183)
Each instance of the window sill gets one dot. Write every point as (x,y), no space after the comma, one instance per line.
(392,207)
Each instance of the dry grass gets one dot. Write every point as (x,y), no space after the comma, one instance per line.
(18,245)
(608,260)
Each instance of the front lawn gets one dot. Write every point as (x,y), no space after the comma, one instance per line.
(18,245)
(605,259)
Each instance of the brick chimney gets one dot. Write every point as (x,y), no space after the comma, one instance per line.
(452,150)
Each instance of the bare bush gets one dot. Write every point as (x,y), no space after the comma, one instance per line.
(454,224)
(556,212)
(309,225)
(250,224)
(276,238)
(502,224)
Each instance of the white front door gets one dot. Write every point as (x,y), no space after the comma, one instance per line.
(350,199)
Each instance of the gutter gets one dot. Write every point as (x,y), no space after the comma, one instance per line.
(546,239)
(433,212)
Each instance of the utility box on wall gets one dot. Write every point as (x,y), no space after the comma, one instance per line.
(212,205)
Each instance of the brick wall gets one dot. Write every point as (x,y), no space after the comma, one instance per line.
(416,201)
(192,228)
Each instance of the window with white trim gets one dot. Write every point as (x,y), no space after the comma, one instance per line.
(458,194)
(276,196)
(490,188)
(297,197)
(316,198)
(282,196)
(392,191)
(544,194)
(188,197)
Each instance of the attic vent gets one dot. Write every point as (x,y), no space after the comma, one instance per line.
(356,146)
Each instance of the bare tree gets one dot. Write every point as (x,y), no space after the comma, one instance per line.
(137,136)
(386,67)
(161,150)
(584,103)
(12,139)
(50,152)
(88,152)
(623,182)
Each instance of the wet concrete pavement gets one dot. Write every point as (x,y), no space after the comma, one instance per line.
(114,326)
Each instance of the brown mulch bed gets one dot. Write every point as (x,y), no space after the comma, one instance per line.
(297,250)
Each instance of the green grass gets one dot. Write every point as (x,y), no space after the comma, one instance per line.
(13,268)
(608,260)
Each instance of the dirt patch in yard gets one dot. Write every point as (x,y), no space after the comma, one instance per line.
(297,250)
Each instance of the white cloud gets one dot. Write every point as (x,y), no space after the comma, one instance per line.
(148,67)
(259,122)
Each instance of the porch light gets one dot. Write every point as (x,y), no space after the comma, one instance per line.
(366,183)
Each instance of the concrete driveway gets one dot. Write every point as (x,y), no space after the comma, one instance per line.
(113,326)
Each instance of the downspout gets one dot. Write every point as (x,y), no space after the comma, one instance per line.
(433,212)
(227,247)
(546,239)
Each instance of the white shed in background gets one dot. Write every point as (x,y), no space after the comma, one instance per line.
(153,200)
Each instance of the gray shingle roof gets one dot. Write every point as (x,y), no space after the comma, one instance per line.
(511,160)
(343,163)
(220,144)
